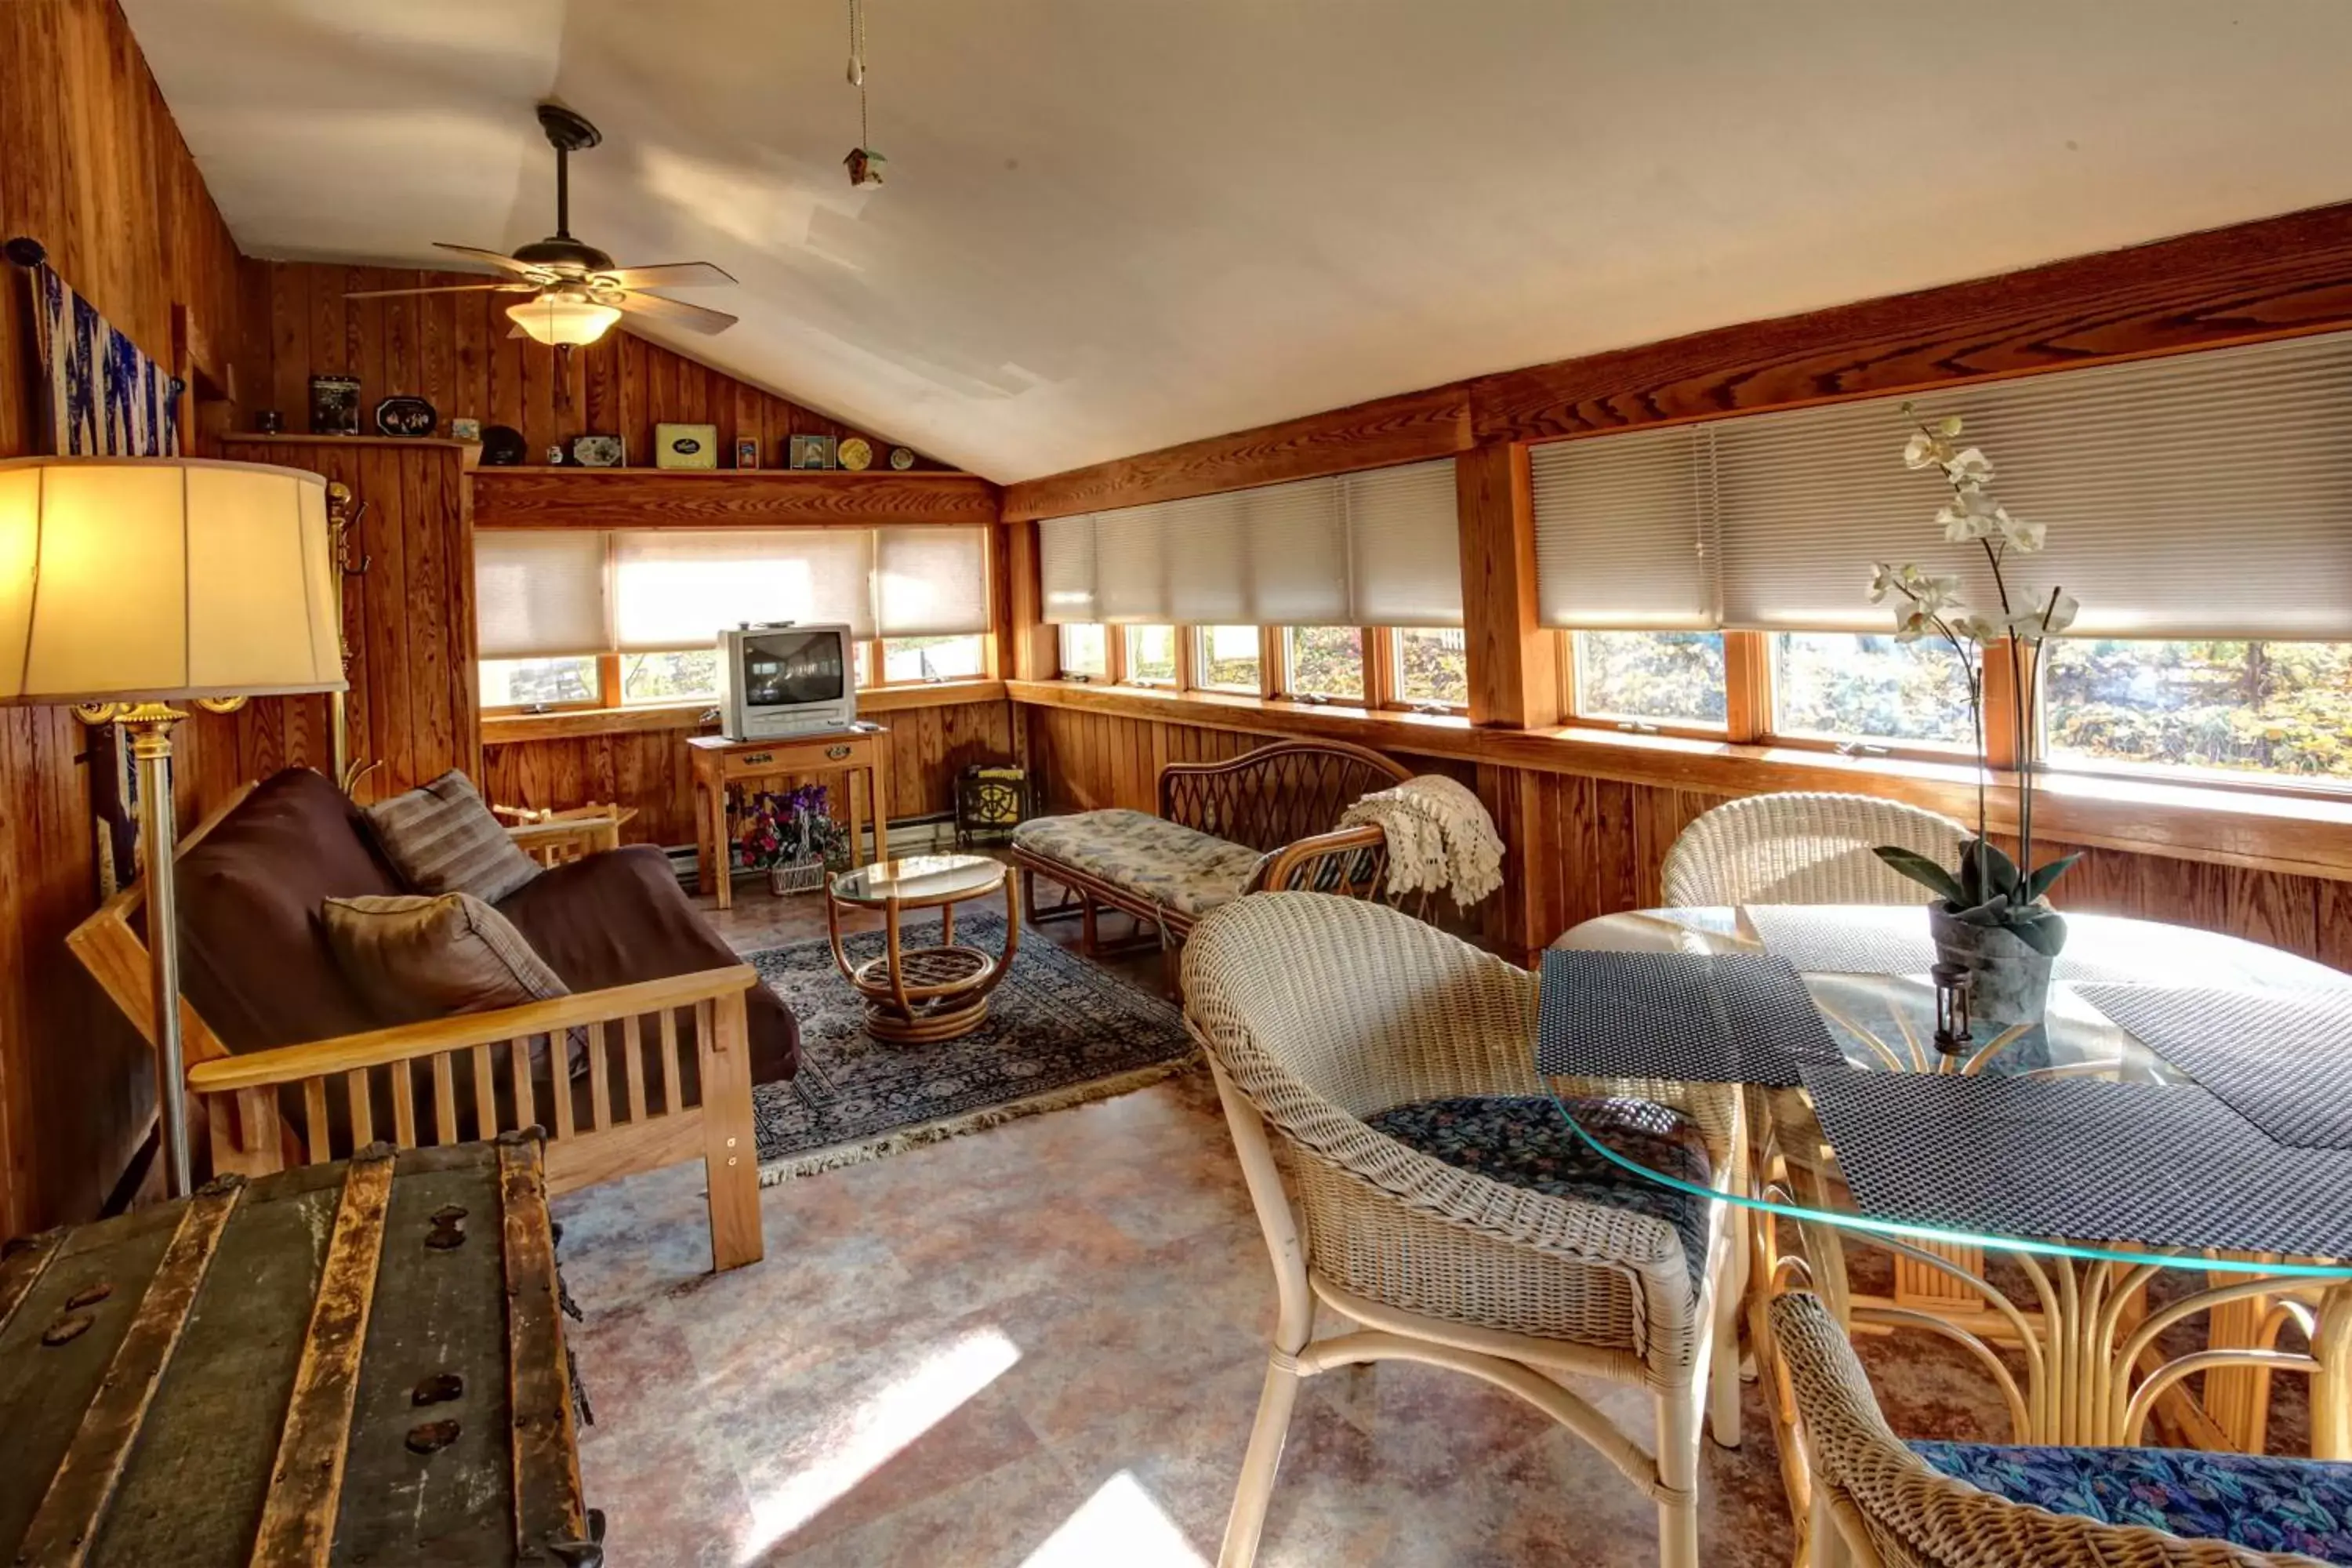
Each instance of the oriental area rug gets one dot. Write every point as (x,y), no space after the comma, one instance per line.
(1059,1031)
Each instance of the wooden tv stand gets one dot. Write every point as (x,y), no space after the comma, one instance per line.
(720,762)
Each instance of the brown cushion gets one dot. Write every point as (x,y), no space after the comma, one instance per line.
(443,839)
(453,954)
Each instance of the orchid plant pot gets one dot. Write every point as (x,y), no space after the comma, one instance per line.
(2008,981)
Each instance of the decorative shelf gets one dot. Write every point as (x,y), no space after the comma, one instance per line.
(521,497)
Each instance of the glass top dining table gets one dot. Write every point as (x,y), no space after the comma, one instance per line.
(2094,1318)
(1886,1021)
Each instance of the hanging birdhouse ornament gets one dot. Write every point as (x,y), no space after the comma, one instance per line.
(864,166)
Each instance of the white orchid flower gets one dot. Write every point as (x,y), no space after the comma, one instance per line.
(1925,451)
(2060,613)
(1911,624)
(2023,537)
(1978,627)
(1884,579)
(1969,468)
(1971,515)
(1948,425)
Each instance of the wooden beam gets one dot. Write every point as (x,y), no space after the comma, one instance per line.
(1387,430)
(1034,649)
(639,498)
(1514,662)
(2280,276)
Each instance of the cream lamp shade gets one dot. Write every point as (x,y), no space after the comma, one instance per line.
(562,320)
(154,579)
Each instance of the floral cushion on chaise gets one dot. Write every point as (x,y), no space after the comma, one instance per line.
(2261,1504)
(1176,867)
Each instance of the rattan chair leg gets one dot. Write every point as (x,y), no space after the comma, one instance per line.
(1255,1488)
(1678,1438)
(1723,1369)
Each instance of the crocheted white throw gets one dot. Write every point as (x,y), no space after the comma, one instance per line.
(1440,837)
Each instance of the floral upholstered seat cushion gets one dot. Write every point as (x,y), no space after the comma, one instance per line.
(2261,1504)
(1184,871)
(1525,1140)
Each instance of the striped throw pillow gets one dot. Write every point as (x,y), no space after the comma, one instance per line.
(441,838)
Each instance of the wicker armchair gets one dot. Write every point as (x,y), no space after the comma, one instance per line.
(1804,849)
(1317,1012)
(1876,1504)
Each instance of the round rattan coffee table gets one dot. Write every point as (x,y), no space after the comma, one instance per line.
(916,996)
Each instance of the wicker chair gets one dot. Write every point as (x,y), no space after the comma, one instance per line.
(1876,1504)
(1317,1012)
(1801,848)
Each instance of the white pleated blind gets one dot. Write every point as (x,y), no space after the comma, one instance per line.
(678,588)
(1378,548)
(2203,495)
(540,594)
(1065,562)
(931,581)
(1622,525)
(1404,546)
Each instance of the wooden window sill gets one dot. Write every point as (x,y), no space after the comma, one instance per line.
(507,729)
(2288,834)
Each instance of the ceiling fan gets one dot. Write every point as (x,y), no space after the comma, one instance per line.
(576,290)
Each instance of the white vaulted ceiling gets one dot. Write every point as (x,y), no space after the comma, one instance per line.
(1112,225)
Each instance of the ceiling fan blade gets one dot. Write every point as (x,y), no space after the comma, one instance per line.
(668,274)
(693,316)
(504,263)
(517,288)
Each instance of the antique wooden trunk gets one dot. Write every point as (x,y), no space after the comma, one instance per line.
(352,1364)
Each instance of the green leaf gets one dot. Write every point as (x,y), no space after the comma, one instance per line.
(1993,911)
(2039,882)
(2000,871)
(2045,933)
(1922,870)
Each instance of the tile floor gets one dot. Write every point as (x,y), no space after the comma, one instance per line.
(1041,1345)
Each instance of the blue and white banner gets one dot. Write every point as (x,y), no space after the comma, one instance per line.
(106,398)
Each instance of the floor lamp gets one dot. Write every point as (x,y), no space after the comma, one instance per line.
(127,585)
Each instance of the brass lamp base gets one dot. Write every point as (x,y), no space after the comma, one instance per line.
(150,725)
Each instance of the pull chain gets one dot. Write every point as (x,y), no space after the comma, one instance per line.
(865,163)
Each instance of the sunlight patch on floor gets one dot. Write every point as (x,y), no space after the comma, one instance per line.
(866,1438)
(1120,1524)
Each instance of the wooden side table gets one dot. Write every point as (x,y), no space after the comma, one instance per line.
(920,996)
(720,762)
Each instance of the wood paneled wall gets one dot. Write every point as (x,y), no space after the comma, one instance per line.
(647,769)
(1580,847)
(457,351)
(92,166)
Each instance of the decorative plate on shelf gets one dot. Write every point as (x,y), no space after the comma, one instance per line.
(901,458)
(856,453)
(405,416)
(597,451)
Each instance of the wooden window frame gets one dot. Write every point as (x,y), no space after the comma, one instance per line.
(1125,676)
(876,659)
(1392,673)
(608,681)
(1190,667)
(1114,655)
(1281,687)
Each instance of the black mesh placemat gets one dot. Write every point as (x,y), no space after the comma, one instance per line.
(2282,1059)
(2082,1159)
(1838,940)
(1734,1017)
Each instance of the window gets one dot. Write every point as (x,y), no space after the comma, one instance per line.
(2279,708)
(565,682)
(1226,659)
(1650,678)
(1869,689)
(683,676)
(1432,667)
(1152,655)
(1085,650)
(911,659)
(1324,661)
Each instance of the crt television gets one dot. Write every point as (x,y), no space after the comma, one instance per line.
(785,679)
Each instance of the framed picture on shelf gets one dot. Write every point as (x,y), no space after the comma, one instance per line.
(813,451)
(747,451)
(334,405)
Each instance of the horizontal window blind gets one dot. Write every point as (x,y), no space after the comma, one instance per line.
(1066,564)
(1404,546)
(1622,526)
(1378,548)
(2203,495)
(541,594)
(679,588)
(931,581)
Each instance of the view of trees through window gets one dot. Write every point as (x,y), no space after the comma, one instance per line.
(1085,650)
(1432,665)
(1325,661)
(538,682)
(1151,653)
(1227,658)
(2272,707)
(1855,686)
(1651,677)
(959,658)
(677,677)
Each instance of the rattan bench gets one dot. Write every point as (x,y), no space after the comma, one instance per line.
(1266,820)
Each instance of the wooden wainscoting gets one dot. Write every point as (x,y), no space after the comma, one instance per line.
(1580,846)
(647,769)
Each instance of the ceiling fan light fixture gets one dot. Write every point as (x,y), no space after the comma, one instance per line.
(564,320)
